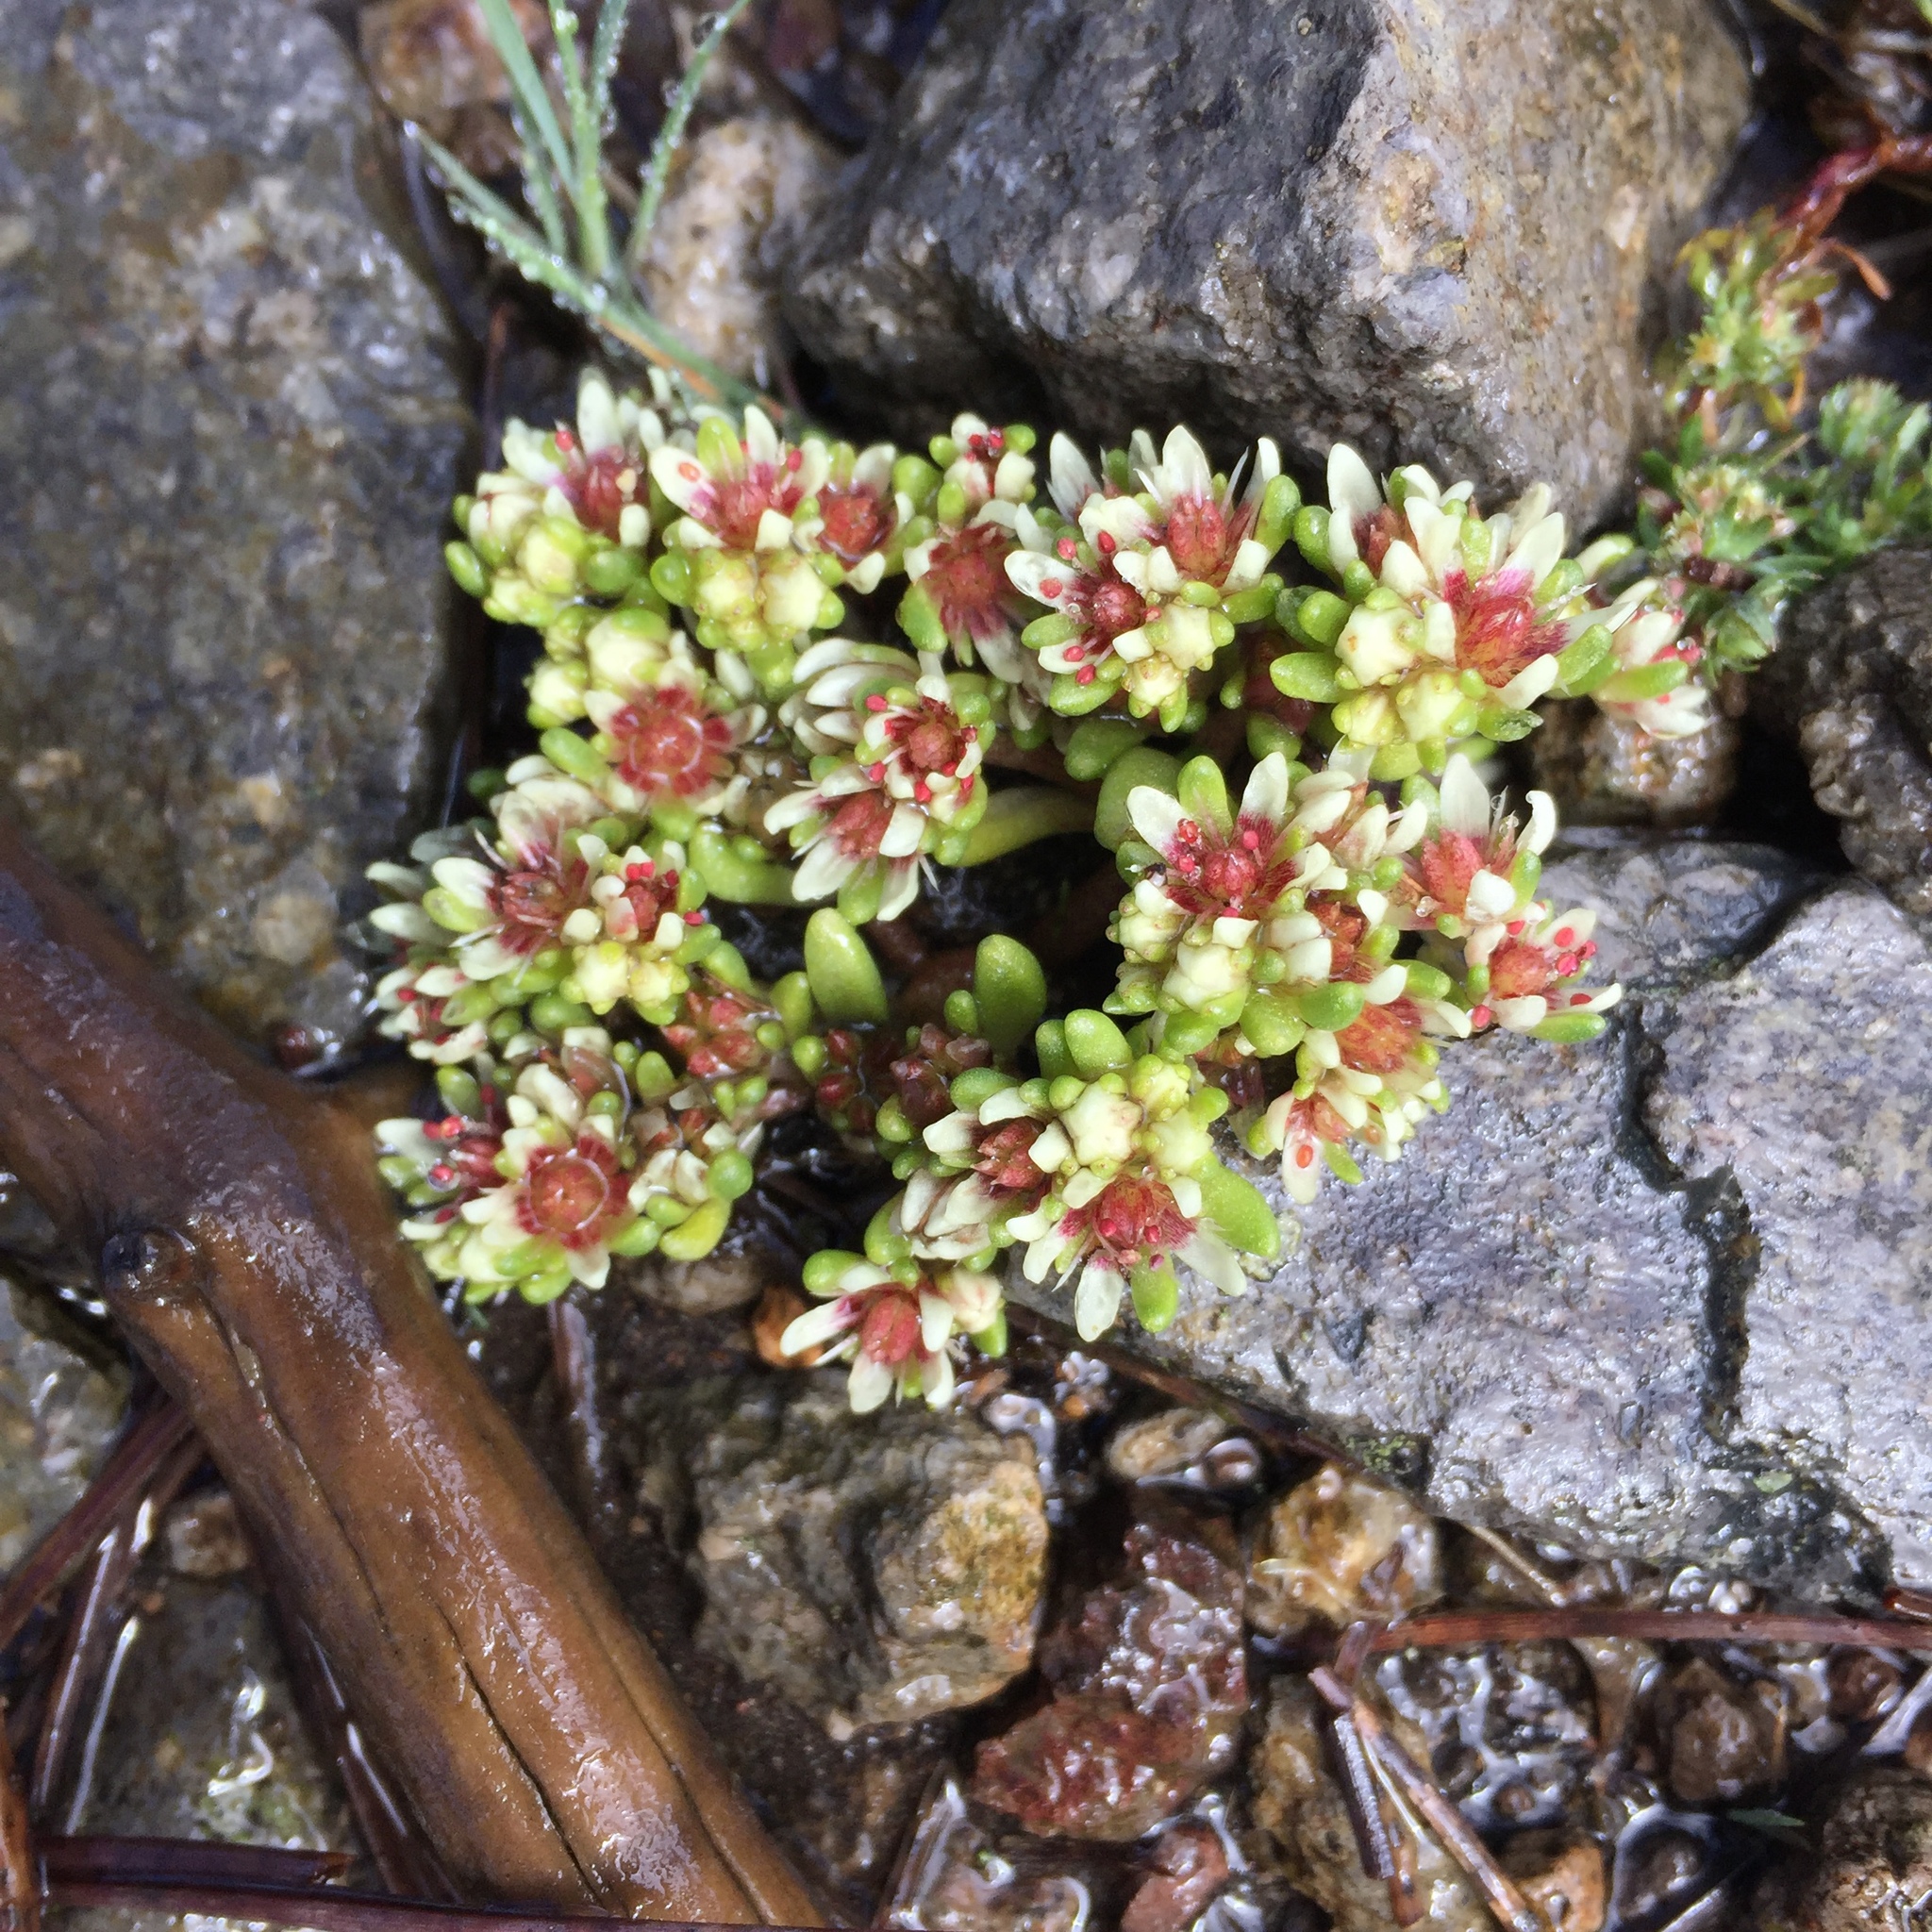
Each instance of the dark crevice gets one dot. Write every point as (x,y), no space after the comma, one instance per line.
(1788,1527)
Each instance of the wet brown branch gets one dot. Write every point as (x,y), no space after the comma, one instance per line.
(248,1250)
(323,1908)
(1449,1629)
(20,1883)
(184,1861)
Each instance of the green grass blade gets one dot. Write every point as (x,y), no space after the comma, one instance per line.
(525,82)
(507,231)
(585,185)
(658,170)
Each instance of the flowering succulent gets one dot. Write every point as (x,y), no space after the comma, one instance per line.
(1144,589)
(895,775)
(741,556)
(566,521)
(894,1329)
(1450,625)
(860,518)
(959,599)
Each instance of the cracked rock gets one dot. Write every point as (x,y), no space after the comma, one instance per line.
(1435,232)
(875,1570)
(1851,681)
(1806,1081)
(232,418)
(1661,1296)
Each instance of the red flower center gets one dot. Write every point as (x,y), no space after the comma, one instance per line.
(571,1195)
(966,579)
(668,744)
(889,1331)
(1345,925)
(531,905)
(738,504)
(600,488)
(1203,539)
(858,826)
(1382,1038)
(1004,1162)
(1449,862)
(1133,1221)
(856,522)
(1498,629)
(1519,968)
(1242,873)
(1114,607)
(1375,532)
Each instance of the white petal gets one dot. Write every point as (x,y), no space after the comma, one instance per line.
(869,1384)
(1097,1300)
(1266,794)
(1353,494)
(1208,1255)
(1465,799)
(1156,815)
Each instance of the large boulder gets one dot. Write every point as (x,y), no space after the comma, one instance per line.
(1852,682)
(1664,1295)
(1431,230)
(231,417)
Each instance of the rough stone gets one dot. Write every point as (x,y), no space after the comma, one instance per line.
(1431,231)
(1606,771)
(230,421)
(874,1571)
(1851,681)
(1874,1865)
(744,189)
(58,1412)
(1662,1296)
(1339,1547)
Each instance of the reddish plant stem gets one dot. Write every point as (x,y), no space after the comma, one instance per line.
(19,1885)
(1458,1839)
(403,1854)
(1450,1629)
(127,1472)
(1278,1434)
(184,1861)
(573,1354)
(92,1630)
(324,1908)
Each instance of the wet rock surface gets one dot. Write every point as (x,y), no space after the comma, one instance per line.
(1660,1296)
(59,1407)
(874,1571)
(1430,232)
(1874,1862)
(1852,682)
(230,420)
(1149,1687)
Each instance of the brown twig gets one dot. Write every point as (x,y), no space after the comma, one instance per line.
(1451,1629)
(184,1861)
(573,1354)
(1278,1435)
(403,1854)
(19,1885)
(125,1474)
(325,1908)
(1458,1839)
(92,1630)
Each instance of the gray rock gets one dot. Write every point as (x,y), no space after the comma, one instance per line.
(874,1571)
(1803,1089)
(1852,682)
(230,421)
(1432,231)
(200,1739)
(1661,1296)
(58,1412)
